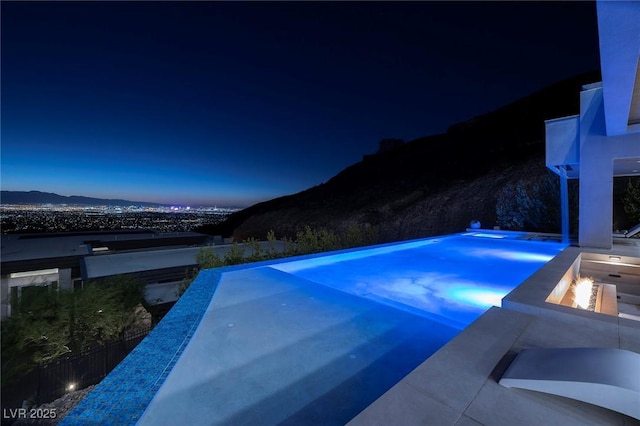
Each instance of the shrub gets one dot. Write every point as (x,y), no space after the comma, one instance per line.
(288,247)
(315,240)
(257,253)
(234,256)
(358,236)
(208,258)
(66,320)
(307,241)
(272,249)
(184,285)
(102,311)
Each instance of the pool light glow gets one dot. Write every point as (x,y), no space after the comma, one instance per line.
(522,256)
(485,235)
(477,296)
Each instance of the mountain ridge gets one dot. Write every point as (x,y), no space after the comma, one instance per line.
(40,197)
(425,182)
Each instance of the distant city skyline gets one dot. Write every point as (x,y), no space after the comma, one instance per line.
(38,199)
(229,104)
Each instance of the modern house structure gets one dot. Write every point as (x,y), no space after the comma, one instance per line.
(161,270)
(33,262)
(603,141)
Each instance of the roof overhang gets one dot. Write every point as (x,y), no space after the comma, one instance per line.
(619,35)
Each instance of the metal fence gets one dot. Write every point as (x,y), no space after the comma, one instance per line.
(68,373)
(53,379)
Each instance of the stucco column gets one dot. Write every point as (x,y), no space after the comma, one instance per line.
(596,174)
(596,198)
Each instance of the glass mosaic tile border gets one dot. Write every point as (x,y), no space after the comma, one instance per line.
(122,396)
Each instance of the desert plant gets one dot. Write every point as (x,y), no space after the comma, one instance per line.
(256,252)
(208,258)
(189,276)
(308,240)
(311,240)
(357,236)
(272,249)
(234,256)
(288,247)
(327,240)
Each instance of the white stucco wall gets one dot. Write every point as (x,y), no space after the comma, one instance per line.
(597,154)
(562,137)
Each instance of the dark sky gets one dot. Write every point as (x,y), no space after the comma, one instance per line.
(231,103)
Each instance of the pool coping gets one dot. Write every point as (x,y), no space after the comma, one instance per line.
(122,397)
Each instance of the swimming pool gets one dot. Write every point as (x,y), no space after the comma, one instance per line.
(451,279)
(311,340)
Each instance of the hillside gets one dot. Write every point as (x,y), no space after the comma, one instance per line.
(429,186)
(38,197)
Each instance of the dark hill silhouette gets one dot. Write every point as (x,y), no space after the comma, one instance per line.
(38,197)
(431,185)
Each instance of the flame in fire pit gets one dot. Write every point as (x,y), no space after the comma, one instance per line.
(582,291)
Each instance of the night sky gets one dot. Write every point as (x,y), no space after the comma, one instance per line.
(229,103)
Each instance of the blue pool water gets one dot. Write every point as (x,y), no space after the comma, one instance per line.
(452,279)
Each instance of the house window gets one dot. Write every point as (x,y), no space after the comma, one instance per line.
(31,297)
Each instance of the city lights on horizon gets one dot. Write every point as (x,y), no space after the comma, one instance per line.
(110,208)
(23,218)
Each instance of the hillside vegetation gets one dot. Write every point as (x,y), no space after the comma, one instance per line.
(429,186)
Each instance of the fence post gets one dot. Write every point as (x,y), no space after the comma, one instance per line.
(39,389)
